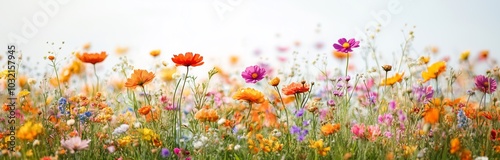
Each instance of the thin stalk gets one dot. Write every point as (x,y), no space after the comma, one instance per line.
(179,102)
(97,77)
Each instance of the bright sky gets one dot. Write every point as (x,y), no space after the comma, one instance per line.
(239,27)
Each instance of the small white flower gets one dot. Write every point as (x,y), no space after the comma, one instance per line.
(237,147)
(276,133)
(203,139)
(197,144)
(481,158)
(122,129)
(137,125)
(70,122)
(221,121)
(36,142)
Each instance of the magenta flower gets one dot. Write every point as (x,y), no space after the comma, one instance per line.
(253,74)
(346,46)
(485,84)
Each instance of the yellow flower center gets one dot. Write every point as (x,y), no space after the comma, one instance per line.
(255,75)
(346,45)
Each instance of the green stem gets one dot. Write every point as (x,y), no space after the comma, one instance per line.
(57,76)
(146,98)
(97,77)
(179,104)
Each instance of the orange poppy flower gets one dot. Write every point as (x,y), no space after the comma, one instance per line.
(249,94)
(454,145)
(144,110)
(434,71)
(431,115)
(92,58)
(295,88)
(188,59)
(329,129)
(140,78)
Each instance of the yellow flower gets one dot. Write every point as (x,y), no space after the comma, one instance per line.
(124,140)
(4,73)
(166,74)
(434,71)
(76,67)
(392,80)
(275,81)
(148,134)
(465,55)
(29,131)
(155,52)
(409,150)
(249,94)
(318,145)
(454,145)
(29,153)
(424,59)
(23,93)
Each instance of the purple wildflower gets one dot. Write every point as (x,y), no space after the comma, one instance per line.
(424,94)
(294,130)
(165,152)
(253,74)
(346,46)
(485,84)
(392,105)
(300,112)
(331,103)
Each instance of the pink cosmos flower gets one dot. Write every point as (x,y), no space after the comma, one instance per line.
(253,74)
(485,84)
(75,144)
(346,46)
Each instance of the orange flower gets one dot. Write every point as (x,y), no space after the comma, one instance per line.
(145,110)
(140,78)
(188,59)
(51,57)
(466,155)
(455,145)
(483,55)
(155,53)
(249,94)
(434,71)
(92,58)
(340,55)
(329,129)
(393,80)
(295,88)
(431,115)
(206,114)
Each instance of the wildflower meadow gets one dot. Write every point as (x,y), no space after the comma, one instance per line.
(346,98)
(418,108)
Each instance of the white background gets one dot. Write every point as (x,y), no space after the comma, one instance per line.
(248,25)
